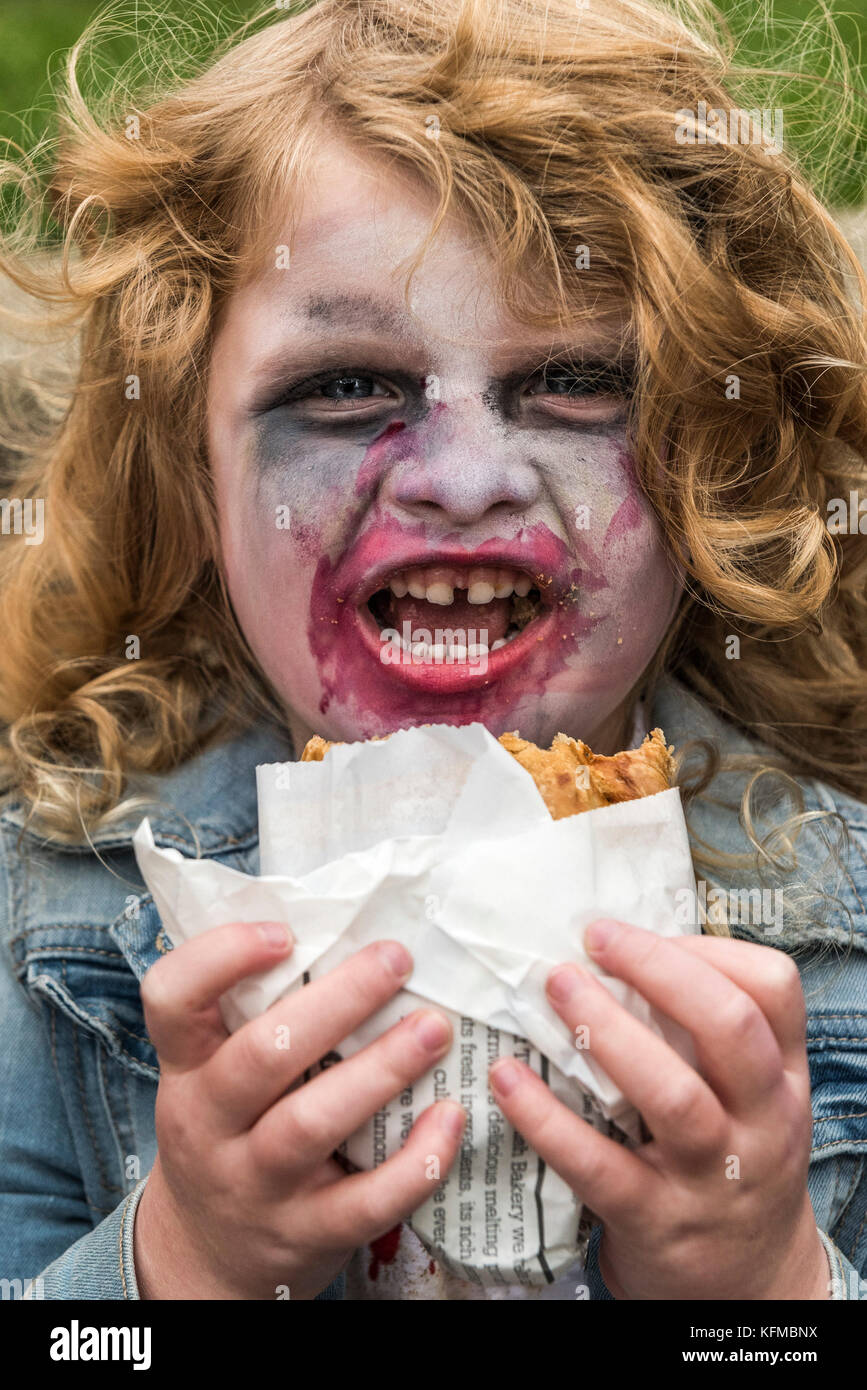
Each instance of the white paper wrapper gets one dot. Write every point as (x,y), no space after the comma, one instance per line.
(438,838)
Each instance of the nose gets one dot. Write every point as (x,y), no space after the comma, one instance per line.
(462,470)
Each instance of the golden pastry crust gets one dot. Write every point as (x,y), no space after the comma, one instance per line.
(572,778)
(315,749)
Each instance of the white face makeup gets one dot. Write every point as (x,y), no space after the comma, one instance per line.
(426,475)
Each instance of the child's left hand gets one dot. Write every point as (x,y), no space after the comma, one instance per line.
(716,1205)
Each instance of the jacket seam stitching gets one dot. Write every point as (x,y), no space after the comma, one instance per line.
(122,1052)
(53,1013)
(857,1115)
(101,1059)
(79,951)
(140,1037)
(858,1143)
(853,1188)
(103,1175)
(841,1210)
(832,1037)
(128,1104)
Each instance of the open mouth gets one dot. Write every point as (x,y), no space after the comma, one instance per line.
(448,613)
(452,626)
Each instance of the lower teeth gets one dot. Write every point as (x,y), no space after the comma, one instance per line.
(440,652)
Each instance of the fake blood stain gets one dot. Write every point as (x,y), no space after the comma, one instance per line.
(395,444)
(377,701)
(630,514)
(383,1251)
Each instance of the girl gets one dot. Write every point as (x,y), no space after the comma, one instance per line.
(462,310)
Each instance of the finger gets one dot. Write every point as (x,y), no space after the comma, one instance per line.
(257,1063)
(603,1174)
(734,1043)
(301,1130)
(180,991)
(357,1209)
(684,1116)
(770,977)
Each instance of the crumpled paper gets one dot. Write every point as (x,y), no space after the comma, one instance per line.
(439,838)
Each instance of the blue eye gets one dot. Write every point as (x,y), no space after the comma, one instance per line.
(565,384)
(582,383)
(348,388)
(341,388)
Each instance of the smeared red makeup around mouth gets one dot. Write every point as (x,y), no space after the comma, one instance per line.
(518,598)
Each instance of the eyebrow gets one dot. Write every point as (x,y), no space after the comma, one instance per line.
(334,314)
(339,311)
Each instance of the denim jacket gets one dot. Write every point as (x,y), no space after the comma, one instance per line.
(79,1072)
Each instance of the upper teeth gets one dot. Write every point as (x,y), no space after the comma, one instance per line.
(437,584)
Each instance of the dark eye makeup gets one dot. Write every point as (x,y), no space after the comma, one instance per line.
(329,393)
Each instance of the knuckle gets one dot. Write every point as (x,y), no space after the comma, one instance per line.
(379,1206)
(379,972)
(405,1052)
(366,979)
(394,1067)
(305,1130)
(593,1172)
(712,1136)
(257,1050)
(740,1016)
(267,1146)
(681,1105)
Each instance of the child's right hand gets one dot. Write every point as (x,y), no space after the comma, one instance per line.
(244,1198)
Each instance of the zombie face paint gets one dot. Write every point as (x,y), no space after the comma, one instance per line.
(427,515)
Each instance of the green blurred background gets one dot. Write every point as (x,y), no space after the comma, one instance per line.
(790,33)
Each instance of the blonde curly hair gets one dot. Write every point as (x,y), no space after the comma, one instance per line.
(555,127)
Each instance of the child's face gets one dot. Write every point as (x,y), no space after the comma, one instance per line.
(423,450)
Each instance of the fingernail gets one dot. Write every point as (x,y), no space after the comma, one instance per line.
(397,958)
(504,1077)
(600,934)
(276,934)
(432,1030)
(562,983)
(452,1118)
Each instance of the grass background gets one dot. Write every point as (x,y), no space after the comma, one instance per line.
(793,33)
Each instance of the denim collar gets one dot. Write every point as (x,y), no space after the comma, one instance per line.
(207,805)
